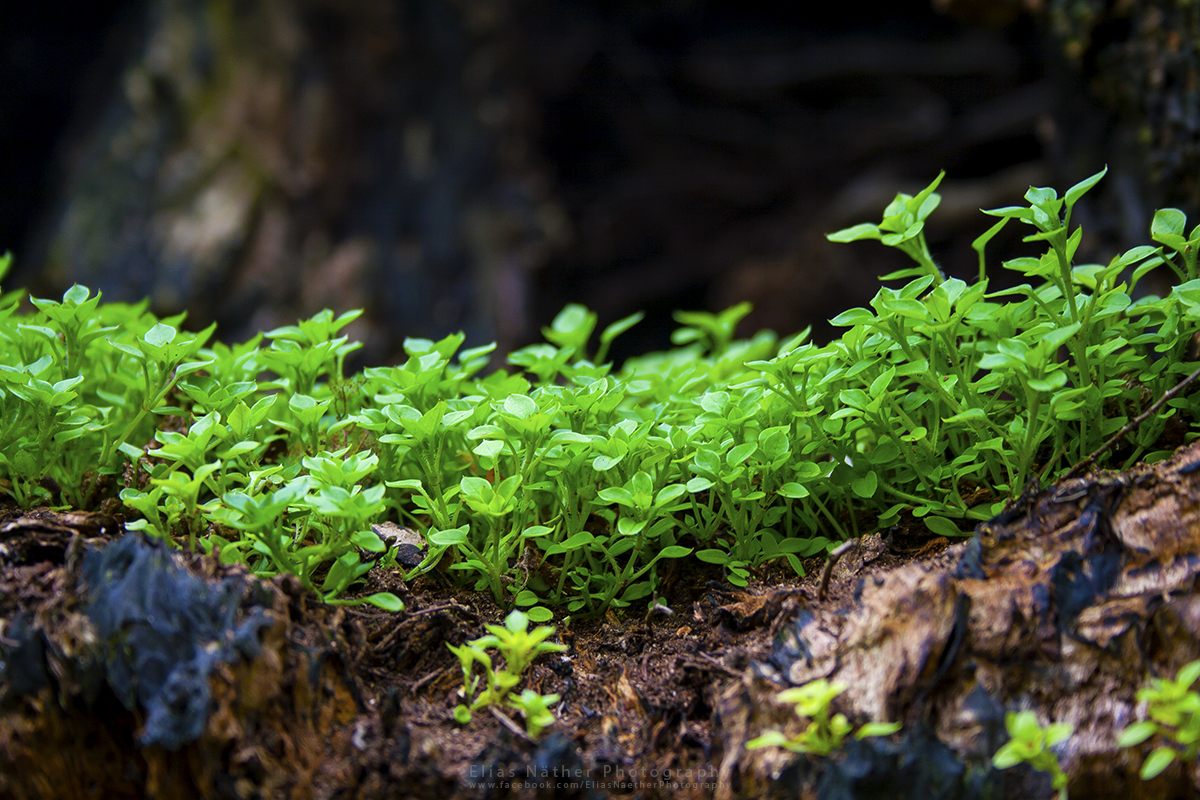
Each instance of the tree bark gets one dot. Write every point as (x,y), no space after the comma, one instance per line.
(1066,604)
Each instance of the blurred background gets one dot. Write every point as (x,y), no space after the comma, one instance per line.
(476,164)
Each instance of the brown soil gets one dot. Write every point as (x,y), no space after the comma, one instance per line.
(1064,604)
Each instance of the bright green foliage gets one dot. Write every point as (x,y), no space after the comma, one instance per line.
(519,647)
(535,708)
(562,482)
(824,734)
(1168,229)
(1030,744)
(903,227)
(1174,709)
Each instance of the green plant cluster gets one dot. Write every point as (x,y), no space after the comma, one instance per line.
(519,647)
(1174,709)
(824,733)
(1031,744)
(561,481)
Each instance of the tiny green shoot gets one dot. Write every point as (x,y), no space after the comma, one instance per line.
(824,734)
(1031,744)
(518,647)
(1174,709)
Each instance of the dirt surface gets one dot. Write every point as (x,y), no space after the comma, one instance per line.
(1064,604)
(637,692)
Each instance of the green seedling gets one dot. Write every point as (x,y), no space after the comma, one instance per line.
(302,353)
(1168,228)
(305,422)
(713,331)
(159,354)
(345,571)
(903,227)
(1030,744)
(824,734)
(1174,709)
(537,710)
(518,647)
(181,492)
(74,326)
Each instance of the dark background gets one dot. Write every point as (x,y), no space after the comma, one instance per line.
(476,164)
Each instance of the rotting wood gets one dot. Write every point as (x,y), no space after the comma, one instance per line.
(1066,603)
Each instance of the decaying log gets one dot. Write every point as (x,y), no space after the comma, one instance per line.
(130,674)
(1066,604)
(137,678)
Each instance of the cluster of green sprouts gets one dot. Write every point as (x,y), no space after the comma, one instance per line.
(563,482)
(824,734)
(1174,709)
(1030,743)
(518,647)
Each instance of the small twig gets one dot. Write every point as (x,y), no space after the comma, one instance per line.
(658,608)
(390,637)
(507,722)
(1041,473)
(834,556)
(416,687)
(452,605)
(714,662)
(1129,426)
